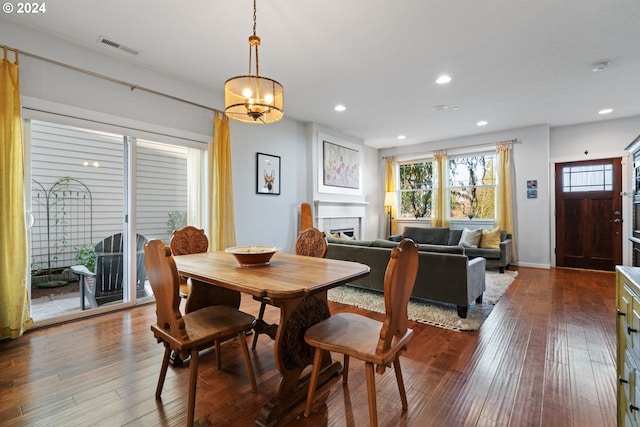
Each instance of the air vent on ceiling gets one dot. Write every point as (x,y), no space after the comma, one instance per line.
(106,42)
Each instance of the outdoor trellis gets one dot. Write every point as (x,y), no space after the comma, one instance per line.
(62,223)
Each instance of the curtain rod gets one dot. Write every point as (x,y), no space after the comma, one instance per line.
(132,86)
(486,144)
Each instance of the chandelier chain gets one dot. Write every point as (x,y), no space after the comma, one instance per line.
(254,17)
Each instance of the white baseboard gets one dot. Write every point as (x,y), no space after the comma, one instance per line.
(532,265)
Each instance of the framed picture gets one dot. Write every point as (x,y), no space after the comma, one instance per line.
(340,168)
(267,174)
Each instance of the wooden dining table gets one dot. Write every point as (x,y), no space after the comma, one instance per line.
(298,286)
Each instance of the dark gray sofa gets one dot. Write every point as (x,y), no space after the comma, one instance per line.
(443,236)
(445,274)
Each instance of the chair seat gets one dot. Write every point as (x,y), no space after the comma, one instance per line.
(354,335)
(206,325)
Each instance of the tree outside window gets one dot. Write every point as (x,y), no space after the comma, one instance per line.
(472,186)
(416,184)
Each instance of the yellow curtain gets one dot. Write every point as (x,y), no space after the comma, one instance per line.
(504,194)
(439,218)
(391,187)
(221,219)
(14,295)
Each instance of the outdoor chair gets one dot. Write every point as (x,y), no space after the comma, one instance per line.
(375,343)
(105,284)
(195,331)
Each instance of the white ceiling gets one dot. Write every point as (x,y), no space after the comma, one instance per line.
(514,63)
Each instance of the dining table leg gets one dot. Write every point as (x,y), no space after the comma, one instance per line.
(292,355)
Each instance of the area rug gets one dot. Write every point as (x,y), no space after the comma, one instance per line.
(433,313)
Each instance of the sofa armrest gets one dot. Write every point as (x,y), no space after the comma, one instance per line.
(396,238)
(476,282)
(505,252)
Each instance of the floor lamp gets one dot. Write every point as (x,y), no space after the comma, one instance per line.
(389,202)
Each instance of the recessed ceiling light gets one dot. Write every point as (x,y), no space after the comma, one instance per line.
(402,136)
(340,107)
(441,107)
(443,79)
(600,66)
(605,111)
(482,123)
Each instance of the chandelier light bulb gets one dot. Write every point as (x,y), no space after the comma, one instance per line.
(247,93)
(268,98)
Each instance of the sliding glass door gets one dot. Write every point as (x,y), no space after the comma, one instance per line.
(85,252)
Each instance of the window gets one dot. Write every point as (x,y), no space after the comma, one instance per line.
(472,186)
(416,185)
(587,178)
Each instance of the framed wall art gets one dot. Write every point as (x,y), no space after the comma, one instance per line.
(267,174)
(340,168)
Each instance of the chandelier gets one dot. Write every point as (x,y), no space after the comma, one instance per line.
(253,98)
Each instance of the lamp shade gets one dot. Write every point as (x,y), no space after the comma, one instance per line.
(254,99)
(390,198)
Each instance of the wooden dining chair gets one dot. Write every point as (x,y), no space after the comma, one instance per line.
(195,331)
(188,240)
(310,242)
(193,240)
(375,343)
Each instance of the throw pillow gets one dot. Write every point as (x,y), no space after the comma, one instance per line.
(490,239)
(470,238)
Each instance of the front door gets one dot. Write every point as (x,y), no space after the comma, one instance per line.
(589,214)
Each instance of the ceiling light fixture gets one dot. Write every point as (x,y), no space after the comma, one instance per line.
(606,111)
(402,137)
(600,66)
(443,79)
(252,98)
(440,107)
(339,107)
(482,123)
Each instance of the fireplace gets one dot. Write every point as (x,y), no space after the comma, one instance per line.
(349,232)
(337,215)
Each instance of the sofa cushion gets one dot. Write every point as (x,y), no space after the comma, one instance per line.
(454,237)
(381,243)
(470,238)
(484,253)
(433,236)
(442,249)
(490,239)
(349,241)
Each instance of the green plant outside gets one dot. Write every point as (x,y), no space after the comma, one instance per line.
(86,256)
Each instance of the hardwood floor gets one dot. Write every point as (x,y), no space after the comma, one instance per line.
(544,357)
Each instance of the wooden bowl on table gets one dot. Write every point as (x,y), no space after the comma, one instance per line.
(252,256)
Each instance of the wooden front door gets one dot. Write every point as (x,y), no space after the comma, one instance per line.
(589,214)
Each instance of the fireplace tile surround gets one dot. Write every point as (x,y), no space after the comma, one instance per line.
(332,214)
